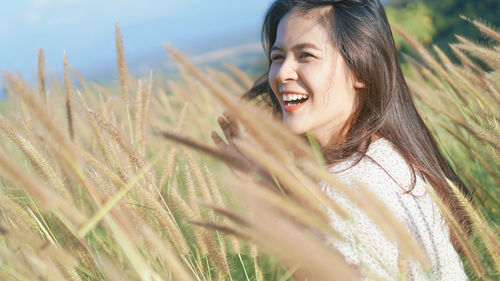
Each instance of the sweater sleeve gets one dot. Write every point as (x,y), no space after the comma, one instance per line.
(365,245)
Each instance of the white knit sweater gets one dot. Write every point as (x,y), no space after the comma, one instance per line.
(364,243)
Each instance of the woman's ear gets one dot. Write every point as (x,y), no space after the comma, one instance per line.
(355,82)
(358,85)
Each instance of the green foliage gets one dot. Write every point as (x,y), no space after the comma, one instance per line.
(440,19)
(415,18)
(446,18)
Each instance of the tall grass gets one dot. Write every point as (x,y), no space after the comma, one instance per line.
(95,186)
(461,104)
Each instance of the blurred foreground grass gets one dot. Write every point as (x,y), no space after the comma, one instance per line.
(92,190)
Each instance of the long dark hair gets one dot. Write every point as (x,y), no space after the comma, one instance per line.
(361,32)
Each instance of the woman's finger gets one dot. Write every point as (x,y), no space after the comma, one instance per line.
(226,129)
(227,114)
(233,124)
(219,141)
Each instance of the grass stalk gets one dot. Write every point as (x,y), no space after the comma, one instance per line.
(243,266)
(41,76)
(106,207)
(469,249)
(122,66)
(486,233)
(138,117)
(69,109)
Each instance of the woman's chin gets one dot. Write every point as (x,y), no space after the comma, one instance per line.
(295,127)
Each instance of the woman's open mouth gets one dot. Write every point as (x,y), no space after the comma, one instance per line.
(294,101)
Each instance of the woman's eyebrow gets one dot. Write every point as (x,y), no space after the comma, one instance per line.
(300,46)
(305,46)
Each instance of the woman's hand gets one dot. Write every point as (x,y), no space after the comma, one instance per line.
(232,131)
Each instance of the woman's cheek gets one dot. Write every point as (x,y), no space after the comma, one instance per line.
(272,81)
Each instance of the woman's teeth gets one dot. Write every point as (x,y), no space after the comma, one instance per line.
(292,97)
(294,101)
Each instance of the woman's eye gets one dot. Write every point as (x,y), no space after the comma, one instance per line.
(276,57)
(305,55)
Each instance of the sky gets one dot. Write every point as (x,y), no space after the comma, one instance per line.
(85,30)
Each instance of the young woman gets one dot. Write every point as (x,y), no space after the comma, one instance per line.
(334,72)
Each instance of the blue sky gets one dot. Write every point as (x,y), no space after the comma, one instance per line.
(85,29)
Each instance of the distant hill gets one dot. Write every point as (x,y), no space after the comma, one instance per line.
(243,50)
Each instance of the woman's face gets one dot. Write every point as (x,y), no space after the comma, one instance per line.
(309,77)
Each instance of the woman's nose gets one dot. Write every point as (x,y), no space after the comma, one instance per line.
(286,72)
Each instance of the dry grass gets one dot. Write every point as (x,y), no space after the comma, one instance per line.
(112,199)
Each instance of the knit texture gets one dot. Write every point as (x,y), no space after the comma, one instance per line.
(388,176)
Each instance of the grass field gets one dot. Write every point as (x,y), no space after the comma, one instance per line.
(124,183)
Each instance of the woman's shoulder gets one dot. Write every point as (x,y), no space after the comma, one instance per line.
(381,166)
(384,171)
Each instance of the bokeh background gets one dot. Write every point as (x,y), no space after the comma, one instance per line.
(208,31)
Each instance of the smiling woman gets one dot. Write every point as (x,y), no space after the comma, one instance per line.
(309,77)
(334,73)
